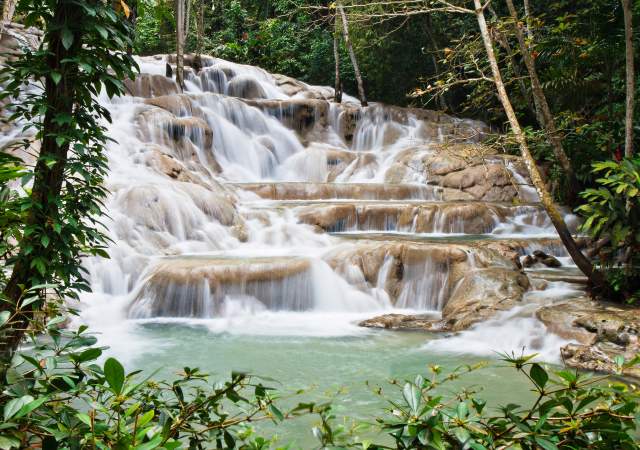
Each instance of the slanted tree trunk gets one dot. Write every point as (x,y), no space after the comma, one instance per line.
(546,117)
(48,173)
(504,42)
(180,43)
(595,277)
(337,97)
(628,34)
(352,54)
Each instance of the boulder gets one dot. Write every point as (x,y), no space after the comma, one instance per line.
(483,293)
(147,85)
(404,322)
(602,331)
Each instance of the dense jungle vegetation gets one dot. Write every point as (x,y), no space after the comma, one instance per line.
(566,104)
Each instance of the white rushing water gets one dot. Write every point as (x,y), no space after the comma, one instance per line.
(191,245)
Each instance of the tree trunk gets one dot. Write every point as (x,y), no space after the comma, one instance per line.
(180,43)
(548,122)
(48,176)
(187,15)
(197,60)
(337,97)
(628,34)
(533,106)
(8,8)
(434,60)
(352,55)
(527,16)
(595,277)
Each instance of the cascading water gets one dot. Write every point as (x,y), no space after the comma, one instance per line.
(252,198)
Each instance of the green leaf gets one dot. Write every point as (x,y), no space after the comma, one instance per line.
(8,442)
(153,443)
(539,375)
(55,76)
(462,410)
(276,412)
(26,409)
(67,38)
(4,317)
(146,417)
(114,374)
(13,406)
(412,396)
(545,444)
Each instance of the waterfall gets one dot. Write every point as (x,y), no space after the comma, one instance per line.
(233,199)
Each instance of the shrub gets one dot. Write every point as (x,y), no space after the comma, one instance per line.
(612,215)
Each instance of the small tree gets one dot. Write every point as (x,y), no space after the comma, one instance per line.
(83,52)
(352,53)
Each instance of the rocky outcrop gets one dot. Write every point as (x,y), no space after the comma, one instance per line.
(405,322)
(481,294)
(602,330)
(457,217)
(472,172)
(147,86)
(199,287)
(321,191)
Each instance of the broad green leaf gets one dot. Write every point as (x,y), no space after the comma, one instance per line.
(13,406)
(412,396)
(114,374)
(67,38)
(539,375)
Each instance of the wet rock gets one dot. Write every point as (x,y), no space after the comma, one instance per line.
(603,331)
(245,87)
(404,322)
(529,261)
(196,62)
(199,287)
(467,217)
(466,171)
(178,105)
(301,115)
(147,85)
(482,294)
(540,257)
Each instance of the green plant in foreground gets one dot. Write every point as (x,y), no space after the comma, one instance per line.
(612,215)
(570,411)
(59,397)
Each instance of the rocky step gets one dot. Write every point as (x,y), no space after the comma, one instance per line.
(566,275)
(421,217)
(467,282)
(198,286)
(353,191)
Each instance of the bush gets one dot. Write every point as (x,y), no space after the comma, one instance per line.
(612,215)
(58,396)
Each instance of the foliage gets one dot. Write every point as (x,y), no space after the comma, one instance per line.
(11,171)
(612,213)
(570,411)
(53,233)
(60,396)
